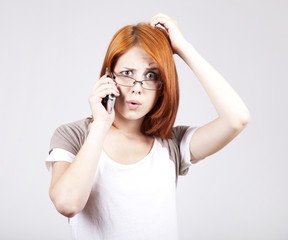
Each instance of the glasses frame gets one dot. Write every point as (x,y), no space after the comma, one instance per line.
(137,81)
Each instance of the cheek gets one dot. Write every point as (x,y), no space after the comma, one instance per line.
(122,90)
(154,100)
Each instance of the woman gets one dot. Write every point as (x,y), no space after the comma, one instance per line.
(115,174)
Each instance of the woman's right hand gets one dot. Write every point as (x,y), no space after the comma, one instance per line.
(103,87)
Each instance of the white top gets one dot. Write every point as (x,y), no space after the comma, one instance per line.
(135,201)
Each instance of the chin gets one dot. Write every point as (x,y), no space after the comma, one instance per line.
(130,115)
(133,116)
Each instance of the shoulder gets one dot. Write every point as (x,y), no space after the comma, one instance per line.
(173,143)
(70,136)
(80,126)
(178,148)
(178,132)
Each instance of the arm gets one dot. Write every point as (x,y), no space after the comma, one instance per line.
(71,184)
(233,115)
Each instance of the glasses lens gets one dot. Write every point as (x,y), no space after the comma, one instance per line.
(152,84)
(127,81)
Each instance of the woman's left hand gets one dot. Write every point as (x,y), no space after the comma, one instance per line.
(176,37)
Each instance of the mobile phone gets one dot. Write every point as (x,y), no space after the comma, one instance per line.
(109,101)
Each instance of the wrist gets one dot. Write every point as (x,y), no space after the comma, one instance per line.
(98,125)
(184,48)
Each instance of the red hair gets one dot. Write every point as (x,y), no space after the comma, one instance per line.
(155,41)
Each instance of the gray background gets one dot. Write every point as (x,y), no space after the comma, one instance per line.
(50,56)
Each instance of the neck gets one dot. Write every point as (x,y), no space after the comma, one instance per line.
(129,127)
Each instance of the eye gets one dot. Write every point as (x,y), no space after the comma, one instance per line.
(151,76)
(126,73)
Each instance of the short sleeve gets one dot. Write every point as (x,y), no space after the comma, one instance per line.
(67,140)
(58,154)
(186,161)
(179,148)
(70,136)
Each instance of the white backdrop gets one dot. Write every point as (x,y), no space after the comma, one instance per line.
(51,53)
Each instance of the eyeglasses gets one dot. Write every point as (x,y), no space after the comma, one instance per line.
(128,81)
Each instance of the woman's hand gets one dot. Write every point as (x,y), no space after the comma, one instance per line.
(176,37)
(103,87)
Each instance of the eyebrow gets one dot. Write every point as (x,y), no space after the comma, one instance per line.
(153,63)
(149,68)
(153,68)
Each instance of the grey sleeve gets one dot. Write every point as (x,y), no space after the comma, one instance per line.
(173,146)
(178,134)
(178,148)
(70,137)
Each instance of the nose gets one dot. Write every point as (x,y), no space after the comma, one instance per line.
(137,88)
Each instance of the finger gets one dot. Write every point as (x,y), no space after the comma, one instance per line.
(106,92)
(160,19)
(96,98)
(106,78)
(103,81)
(106,89)
(159,15)
(162,22)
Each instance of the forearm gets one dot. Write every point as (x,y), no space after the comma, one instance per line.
(233,114)
(71,190)
(228,105)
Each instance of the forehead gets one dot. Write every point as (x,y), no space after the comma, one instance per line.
(136,57)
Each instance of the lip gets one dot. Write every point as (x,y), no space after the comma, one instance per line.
(133,104)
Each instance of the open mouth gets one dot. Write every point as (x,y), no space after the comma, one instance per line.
(133,104)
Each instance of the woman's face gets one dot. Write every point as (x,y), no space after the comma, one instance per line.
(135,102)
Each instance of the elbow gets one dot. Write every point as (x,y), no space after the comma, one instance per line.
(65,205)
(66,209)
(241,121)
(245,119)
